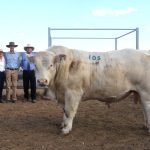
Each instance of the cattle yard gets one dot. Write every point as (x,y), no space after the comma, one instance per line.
(28,126)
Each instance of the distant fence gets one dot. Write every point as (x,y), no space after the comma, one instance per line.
(136,30)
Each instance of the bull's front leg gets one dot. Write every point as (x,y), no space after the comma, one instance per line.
(72,99)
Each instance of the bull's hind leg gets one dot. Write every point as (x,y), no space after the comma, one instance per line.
(72,99)
(145,99)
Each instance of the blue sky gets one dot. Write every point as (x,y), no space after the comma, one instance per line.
(27,21)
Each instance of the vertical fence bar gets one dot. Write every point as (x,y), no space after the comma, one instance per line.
(116,43)
(49,38)
(137,38)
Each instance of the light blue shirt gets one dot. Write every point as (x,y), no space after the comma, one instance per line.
(13,60)
(25,62)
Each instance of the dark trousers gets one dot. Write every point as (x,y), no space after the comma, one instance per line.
(29,81)
(2,79)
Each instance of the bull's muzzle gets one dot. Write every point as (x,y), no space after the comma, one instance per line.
(42,82)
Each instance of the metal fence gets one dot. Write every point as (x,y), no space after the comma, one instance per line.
(128,31)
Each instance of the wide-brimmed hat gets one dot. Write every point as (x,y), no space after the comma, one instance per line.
(11,44)
(28,46)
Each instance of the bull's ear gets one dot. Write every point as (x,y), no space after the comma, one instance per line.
(59,58)
(31,59)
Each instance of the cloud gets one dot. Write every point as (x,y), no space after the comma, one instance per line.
(112,12)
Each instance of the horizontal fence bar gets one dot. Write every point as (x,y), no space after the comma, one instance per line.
(80,38)
(90,29)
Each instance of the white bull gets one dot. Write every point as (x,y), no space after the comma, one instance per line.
(73,75)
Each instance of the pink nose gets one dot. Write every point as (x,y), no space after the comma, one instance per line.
(42,81)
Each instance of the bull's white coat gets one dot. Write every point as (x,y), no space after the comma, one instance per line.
(74,75)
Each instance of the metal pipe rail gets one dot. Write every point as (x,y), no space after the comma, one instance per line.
(50,38)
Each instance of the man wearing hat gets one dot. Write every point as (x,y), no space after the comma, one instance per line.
(2,74)
(29,79)
(12,59)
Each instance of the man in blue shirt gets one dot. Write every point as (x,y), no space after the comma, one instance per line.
(12,59)
(29,79)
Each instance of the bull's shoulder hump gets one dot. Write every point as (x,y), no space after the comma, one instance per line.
(59,50)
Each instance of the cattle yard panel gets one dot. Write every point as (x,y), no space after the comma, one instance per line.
(129,31)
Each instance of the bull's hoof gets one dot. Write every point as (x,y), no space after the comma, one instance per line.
(65,131)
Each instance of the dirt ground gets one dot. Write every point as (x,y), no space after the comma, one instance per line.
(28,126)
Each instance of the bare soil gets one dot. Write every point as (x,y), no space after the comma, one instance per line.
(28,126)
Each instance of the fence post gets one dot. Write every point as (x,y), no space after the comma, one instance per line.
(49,38)
(116,40)
(137,38)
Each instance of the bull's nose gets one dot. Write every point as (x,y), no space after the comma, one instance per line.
(42,81)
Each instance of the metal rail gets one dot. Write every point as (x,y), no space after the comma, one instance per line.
(50,38)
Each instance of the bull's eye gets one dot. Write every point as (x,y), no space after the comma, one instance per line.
(50,66)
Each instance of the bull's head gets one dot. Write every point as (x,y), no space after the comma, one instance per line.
(46,66)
